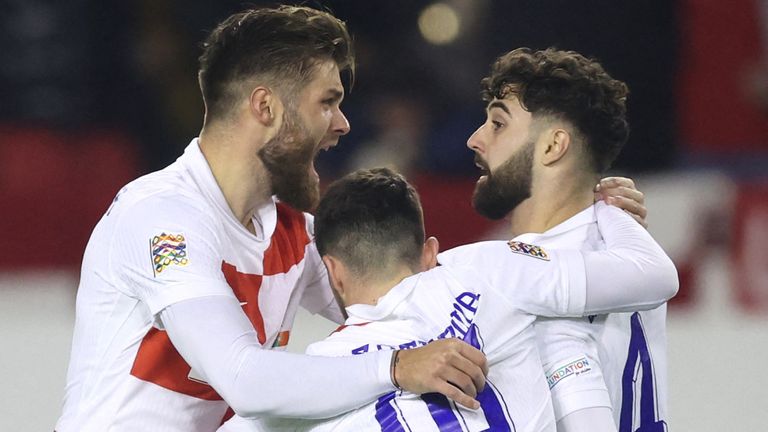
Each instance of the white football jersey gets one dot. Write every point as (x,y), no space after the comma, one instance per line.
(167,237)
(624,353)
(633,349)
(493,311)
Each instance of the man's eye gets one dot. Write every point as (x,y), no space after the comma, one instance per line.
(496,125)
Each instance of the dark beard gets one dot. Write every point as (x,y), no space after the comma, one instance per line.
(502,191)
(288,158)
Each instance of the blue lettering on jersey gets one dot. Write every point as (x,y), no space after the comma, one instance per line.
(461,318)
(639,360)
(469,301)
(443,412)
(408,345)
(380,347)
(464,309)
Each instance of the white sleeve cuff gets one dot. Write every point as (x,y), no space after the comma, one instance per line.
(385,362)
(579,400)
(173,293)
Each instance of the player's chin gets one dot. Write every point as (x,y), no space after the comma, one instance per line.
(301,190)
(306,201)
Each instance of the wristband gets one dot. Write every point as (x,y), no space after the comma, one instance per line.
(393,366)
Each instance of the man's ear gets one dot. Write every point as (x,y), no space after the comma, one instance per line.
(336,274)
(264,105)
(558,142)
(429,254)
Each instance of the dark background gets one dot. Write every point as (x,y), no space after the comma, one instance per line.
(95,93)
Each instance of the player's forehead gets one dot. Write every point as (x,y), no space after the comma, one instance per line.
(325,81)
(509,105)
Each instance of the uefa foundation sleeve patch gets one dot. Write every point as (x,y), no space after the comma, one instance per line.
(571,368)
(168,250)
(528,249)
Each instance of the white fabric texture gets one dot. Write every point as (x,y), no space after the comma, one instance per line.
(635,274)
(569,346)
(170,237)
(488,293)
(225,352)
(595,419)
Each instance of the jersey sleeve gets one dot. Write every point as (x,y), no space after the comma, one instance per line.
(537,281)
(165,250)
(257,382)
(632,274)
(572,366)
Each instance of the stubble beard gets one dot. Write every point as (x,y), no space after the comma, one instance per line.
(289,157)
(502,191)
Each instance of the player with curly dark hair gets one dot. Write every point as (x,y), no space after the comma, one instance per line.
(556,120)
(553,85)
(568,85)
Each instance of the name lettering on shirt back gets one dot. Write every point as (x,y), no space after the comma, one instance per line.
(460,322)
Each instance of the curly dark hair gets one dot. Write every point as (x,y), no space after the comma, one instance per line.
(280,46)
(370,219)
(570,86)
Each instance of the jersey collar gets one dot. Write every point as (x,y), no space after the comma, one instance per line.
(265,217)
(387,303)
(584,217)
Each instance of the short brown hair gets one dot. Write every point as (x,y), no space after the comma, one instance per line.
(371,220)
(281,46)
(570,86)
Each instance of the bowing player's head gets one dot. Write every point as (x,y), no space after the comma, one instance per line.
(369,229)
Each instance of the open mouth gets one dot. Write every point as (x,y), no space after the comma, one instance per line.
(327,146)
(322,146)
(479,163)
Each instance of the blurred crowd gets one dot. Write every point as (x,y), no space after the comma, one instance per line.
(96,93)
(131,66)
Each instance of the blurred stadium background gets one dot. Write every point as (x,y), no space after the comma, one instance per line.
(93,94)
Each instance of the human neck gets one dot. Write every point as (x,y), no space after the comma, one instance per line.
(238,171)
(368,290)
(553,200)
